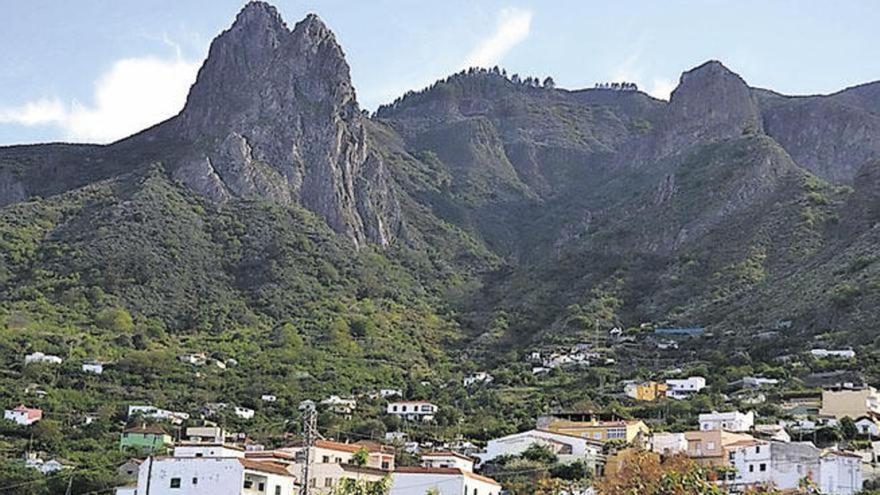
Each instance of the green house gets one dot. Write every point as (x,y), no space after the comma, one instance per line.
(146,438)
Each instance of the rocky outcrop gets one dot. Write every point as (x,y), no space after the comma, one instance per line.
(273,115)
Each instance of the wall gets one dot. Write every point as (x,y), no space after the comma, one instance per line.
(215,476)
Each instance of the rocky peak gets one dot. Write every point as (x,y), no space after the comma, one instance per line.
(711,102)
(273,115)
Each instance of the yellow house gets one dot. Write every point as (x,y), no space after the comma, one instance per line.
(594,429)
(853,403)
(645,391)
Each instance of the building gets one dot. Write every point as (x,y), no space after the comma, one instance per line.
(730,421)
(478,377)
(39,357)
(834,472)
(156,413)
(145,438)
(586,425)
(33,461)
(759,381)
(201,449)
(568,448)
(268,398)
(128,471)
(771,432)
(645,391)
(206,434)
(448,459)
(709,447)
(839,353)
(683,388)
(213,476)
(22,415)
(332,461)
(442,481)
(93,367)
(194,358)
(867,425)
(243,412)
(686,332)
(386,393)
(340,405)
(751,463)
(417,410)
(853,403)
(668,443)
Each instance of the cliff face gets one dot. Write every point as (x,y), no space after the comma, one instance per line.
(273,115)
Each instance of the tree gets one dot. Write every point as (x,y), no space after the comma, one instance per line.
(645,474)
(848,428)
(539,453)
(549,83)
(115,319)
(350,486)
(360,457)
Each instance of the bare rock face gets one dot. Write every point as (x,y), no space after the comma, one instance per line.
(273,115)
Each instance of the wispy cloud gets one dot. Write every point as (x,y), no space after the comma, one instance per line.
(632,70)
(512,29)
(132,95)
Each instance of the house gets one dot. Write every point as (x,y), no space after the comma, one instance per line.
(751,463)
(479,377)
(417,410)
(128,471)
(683,388)
(93,367)
(853,403)
(834,472)
(243,412)
(867,425)
(268,398)
(22,415)
(39,357)
(759,381)
(645,391)
(709,447)
(665,345)
(146,438)
(730,421)
(213,476)
(194,358)
(32,461)
(396,436)
(156,413)
(686,332)
(205,434)
(204,449)
(340,405)
(386,393)
(332,461)
(771,432)
(442,481)
(828,353)
(586,425)
(668,443)
(448,459)
(568,448)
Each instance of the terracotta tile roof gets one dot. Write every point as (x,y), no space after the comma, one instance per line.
(542,430)
(363,469)
(146,430)
(269,454)
(445,471)
(265,466)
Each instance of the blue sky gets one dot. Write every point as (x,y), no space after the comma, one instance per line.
(95,71)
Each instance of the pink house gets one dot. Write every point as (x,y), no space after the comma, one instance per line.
(23,415)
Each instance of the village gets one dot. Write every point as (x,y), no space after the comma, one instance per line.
(175,452)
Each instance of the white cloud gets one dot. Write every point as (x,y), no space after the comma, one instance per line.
(631,71)
(512,29)
(662,88)
(132,95)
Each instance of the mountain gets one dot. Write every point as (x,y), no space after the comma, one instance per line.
(328,251)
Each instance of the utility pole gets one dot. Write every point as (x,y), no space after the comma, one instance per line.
(310,434)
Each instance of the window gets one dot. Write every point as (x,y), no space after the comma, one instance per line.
(386,465)
(199,454)
(248,483)
(475,491)
(394,408)
(313,482)
(261,487)
(403,408)
(339,460)
(427,408)
(326,459)
(328,482)
(597,435)
(710,445)
(757,449)
(277,490)
(616,433)
(195,481)
(751,468)
(762,467)
(175,483)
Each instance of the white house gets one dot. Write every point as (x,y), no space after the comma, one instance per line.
(834,472)
(444,481)
(22,415)
(156,413)
(205,434)
(683,388)
(840,473)
(45,467)
(839,353)
(759,381)
(413,410)
(479,377)
(730,421)
(340,405)
(568,448)
(194,358)
(867,425)
(390,392)
(751,461)
(93,367)
(668,443)
(213,476)
(244,412)
(268,398)
(448,459)
(39,357)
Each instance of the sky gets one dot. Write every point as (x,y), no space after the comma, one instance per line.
(99,70)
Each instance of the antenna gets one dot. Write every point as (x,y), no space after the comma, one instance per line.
(310,434)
